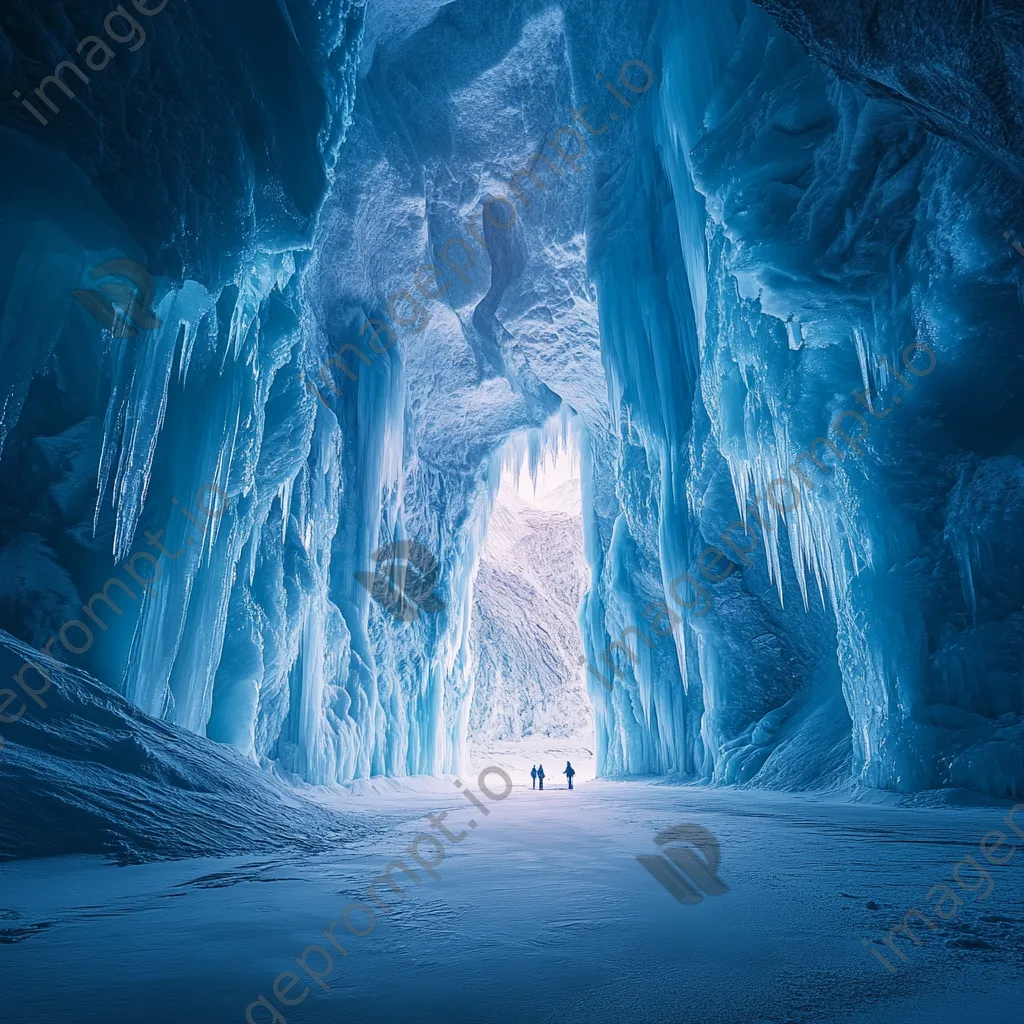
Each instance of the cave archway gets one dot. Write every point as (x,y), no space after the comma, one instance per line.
(530,703)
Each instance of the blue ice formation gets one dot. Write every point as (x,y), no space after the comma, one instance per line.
(734,219)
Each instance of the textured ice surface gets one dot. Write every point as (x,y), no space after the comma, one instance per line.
(545,907)
(696,297)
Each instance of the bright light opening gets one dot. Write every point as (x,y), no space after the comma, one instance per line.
(530,703)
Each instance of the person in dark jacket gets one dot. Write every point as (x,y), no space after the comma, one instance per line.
(569,772)
(540,775)
(533,775)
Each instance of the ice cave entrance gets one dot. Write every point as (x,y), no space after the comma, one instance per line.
(530,703)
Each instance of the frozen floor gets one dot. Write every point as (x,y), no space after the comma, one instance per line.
(541,915)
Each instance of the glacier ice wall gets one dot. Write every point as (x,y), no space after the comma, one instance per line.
(835,232)
(698,285)
(104,432)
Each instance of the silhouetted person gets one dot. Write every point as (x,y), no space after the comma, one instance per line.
(540,775)
(533,775)
(569,772)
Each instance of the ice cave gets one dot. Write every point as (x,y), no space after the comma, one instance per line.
(399,395)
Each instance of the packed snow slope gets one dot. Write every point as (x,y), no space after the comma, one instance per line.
(84,771)
(758,219)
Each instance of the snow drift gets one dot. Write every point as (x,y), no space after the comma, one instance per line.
(91,773)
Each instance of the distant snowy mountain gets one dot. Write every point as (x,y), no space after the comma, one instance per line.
(525,638)
(565,498)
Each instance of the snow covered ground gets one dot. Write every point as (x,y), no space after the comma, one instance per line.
(540,915)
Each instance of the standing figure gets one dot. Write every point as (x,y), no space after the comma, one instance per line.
(540,775)
(569,772)
(533,775)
